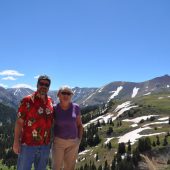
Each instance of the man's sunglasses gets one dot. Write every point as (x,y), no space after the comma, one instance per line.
(66,93)
(44,84)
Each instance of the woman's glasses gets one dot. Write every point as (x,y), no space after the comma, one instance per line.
(66,93)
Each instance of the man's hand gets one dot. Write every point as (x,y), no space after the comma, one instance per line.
(16,147)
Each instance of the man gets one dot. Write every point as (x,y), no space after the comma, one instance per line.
(33,128)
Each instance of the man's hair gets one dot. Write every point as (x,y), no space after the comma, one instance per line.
(44,77)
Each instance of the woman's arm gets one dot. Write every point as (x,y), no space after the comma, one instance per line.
(79,126)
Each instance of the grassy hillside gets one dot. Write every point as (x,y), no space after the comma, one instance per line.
(109,127)
(157,104)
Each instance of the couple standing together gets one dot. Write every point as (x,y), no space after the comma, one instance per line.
(36,117)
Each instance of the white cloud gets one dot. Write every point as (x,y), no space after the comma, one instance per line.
(10,73)
(36,77)
(3,85)
(9,78)
(23,86)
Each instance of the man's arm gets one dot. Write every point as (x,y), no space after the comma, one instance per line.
(80,127)
(17,135)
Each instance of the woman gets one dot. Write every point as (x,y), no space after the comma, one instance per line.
(68,131)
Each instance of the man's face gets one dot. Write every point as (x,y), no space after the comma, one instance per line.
(43,87)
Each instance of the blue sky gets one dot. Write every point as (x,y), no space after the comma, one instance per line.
(84,43)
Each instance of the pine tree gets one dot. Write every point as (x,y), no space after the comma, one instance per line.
(157,140)
(153,144)
(97,157)
(100,167)
(118,157)
(121,148)
(148,146)
(113,166)
(109,145)
(93,166)
(98,123)
(136,157)
(129,147)
(165,143)
(120,123)
(109,131)
(81,168)
(106,166)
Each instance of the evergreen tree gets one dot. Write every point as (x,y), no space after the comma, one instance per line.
(109,131)
(97,157)
(165,142)
(81,168)
(129,147)
(113,166)
(148,145)
(157,140)
(93,166)
(136,157)
(106,166)
(118,157)
(121,148)
(153,144)
(120,123)
(100,167)
(109,145)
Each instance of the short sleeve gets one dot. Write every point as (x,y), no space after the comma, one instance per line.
(22,109)
(77,109)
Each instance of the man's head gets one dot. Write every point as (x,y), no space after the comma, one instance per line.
(43,84)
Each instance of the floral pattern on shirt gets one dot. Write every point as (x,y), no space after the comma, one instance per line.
(38,119)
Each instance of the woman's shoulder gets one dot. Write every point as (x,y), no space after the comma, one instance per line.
(75,105)
(55,105)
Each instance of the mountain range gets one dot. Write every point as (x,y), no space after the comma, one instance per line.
(96,96)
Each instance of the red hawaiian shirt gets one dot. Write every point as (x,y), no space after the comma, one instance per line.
(38,119)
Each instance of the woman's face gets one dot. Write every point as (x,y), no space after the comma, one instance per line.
(65,97)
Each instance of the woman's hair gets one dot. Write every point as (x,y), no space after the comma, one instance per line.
(65,88)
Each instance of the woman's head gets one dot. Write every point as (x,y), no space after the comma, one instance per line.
(65,94)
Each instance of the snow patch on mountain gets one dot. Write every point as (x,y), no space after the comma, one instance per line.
(138,119)
(89,96)
(17,91)
(163,118)
(100,90)
(155,123)
(147,94)
(102,118)
(135,92)
(108,140)
(120,109)
(134,135)
(134,125)
(84,152)
(125,109)
(115,93)
(123,105)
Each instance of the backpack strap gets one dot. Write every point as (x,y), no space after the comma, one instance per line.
(74,115)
